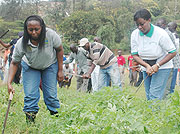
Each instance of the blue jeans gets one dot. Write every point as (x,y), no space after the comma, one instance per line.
(31,82)
(173,82)
(108,73)
(155,85)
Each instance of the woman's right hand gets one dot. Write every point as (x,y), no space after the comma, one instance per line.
(11,89)
(149,70)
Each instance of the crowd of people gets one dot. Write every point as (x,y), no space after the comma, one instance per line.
(37,58)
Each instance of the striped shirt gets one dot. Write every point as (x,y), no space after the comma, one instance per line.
(101,55)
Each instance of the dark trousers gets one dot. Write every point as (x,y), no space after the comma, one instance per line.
(140,79)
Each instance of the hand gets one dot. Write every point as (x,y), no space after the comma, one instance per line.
(60,76)
(11,89)
(86,76)
(155,68)
(138,69)
(149,70)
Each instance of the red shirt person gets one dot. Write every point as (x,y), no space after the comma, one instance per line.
(121,63)
(130,59)
(121,60)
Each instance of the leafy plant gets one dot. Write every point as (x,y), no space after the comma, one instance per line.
(107,111)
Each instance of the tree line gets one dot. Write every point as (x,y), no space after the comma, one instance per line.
(112,20)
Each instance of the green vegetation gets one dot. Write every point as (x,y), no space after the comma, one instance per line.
(109,111)
(14,28)
(112,20)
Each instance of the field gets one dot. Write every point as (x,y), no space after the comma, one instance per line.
(109,111)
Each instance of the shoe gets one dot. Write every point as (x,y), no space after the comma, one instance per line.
(55,113)
(30,117)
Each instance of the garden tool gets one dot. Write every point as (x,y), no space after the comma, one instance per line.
(74,74)
(141,84)
(4,33)
(10,99)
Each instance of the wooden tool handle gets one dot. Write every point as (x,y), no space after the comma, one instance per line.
(10,96)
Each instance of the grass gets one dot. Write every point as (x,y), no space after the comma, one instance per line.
(107,111)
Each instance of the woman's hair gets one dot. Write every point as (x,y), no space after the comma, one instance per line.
(42,36)
(142,13)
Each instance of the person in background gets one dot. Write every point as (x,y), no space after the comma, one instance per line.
(172,26)
(95,73)
(135,70)
(12,45)
(104,57)
(40,53)
(79,54)
(68,74)
(13,41)
(130,59)
(163,24)
(140,77)
(152,48)
(6,65)
(121,64)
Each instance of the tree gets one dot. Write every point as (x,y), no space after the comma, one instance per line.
(82,24)
(12,10)
(107,35)
(14,27)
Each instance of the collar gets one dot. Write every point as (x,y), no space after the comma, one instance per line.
(150,33)
(30,44)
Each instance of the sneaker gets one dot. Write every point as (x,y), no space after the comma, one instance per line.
(30,117)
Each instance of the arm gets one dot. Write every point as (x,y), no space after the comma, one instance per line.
(149,69)
(88,74)
(167,58)
(12,71)
(59,56)
(71,72)
(5,45)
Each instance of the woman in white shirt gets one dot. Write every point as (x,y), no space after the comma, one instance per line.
(153,49)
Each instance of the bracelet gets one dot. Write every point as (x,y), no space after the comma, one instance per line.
(158,65)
